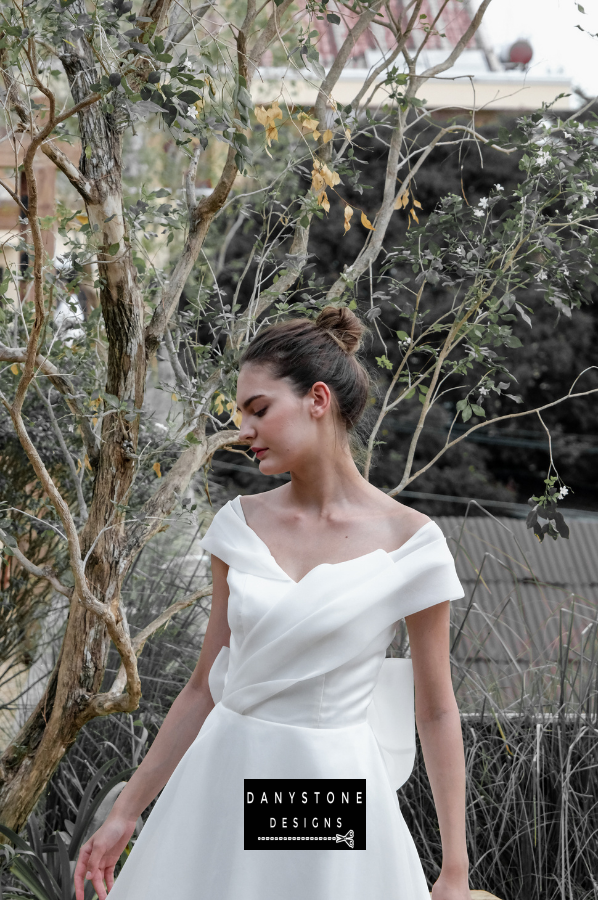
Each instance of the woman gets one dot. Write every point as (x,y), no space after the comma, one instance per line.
(310,581)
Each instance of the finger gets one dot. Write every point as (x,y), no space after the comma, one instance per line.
(109,876)
(81,869)
(98,883)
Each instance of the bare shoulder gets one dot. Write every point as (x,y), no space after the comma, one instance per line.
(401,521)
(260,503)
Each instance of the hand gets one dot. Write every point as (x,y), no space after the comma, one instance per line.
(451,887)
(99,855)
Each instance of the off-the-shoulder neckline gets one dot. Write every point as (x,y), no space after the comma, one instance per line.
(237,501)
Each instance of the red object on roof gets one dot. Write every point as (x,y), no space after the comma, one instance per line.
(521,53)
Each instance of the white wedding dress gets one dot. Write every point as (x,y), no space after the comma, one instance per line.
(304,692)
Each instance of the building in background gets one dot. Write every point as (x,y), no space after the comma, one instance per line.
(478,80)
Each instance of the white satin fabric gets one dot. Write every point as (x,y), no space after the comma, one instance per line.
(304,691)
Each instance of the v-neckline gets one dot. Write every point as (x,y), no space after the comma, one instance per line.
(319,565)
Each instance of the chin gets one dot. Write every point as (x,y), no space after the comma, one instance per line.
(271,467)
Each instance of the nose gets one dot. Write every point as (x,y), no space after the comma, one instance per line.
(246,431)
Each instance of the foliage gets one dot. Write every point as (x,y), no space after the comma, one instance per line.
(44,870)
(532,813)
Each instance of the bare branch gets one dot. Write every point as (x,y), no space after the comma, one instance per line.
(383,66)
(74,175)
(14,196)
(47,401)
(39,571)
(140,640)
(181,376)
(297,257)
(459,47)
(63,384)
(363,22)
(517,415)
(173,485)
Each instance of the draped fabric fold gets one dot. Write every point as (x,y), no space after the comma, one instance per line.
(326,619)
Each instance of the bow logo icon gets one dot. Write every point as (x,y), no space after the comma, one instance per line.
(347,838)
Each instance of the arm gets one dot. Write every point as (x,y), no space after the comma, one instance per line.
(439,729)
(99,855)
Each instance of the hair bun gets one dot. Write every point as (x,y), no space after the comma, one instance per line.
(343,326)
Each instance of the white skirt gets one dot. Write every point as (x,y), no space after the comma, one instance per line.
(192,844)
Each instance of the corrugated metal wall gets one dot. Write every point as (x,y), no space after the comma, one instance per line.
(525,603)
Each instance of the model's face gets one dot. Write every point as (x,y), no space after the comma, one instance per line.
(283,429)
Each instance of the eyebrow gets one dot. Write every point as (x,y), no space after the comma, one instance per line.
(248,403)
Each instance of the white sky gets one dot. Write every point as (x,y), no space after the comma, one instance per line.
(549,25)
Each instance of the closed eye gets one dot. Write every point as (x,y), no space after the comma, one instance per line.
(261,411)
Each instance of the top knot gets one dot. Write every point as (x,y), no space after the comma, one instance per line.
(343,326)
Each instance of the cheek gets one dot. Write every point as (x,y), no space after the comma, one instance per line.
(286,428)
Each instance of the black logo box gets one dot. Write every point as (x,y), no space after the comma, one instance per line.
(304,813)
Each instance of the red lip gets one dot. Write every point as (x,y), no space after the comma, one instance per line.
(258,450)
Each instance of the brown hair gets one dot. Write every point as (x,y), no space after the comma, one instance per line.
(305,351)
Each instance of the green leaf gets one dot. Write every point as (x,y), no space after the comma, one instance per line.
(189,97)
(384,362)
(113,249)
(477,410)
(466,414)
(244,97)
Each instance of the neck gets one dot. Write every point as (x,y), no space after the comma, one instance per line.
(323,481)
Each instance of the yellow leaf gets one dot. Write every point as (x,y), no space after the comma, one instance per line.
(307,123)
(316,135)
(78,465)
(327,136)
(83,219)
(347,134)
(199,104)
(348,214)
(417,203)
(401,201)
(15,369)
(323,201)
(271,133)
(157,470)
(94,421)
(219,404)
(275,111)
(238,416)
(366,222)
(405,199)
(261,115)
(412,211)
(87,463)
(317,181)
(175,398)
(331,178)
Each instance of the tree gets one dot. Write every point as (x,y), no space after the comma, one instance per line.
(122,66)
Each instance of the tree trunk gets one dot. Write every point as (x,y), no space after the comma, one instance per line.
(33,756)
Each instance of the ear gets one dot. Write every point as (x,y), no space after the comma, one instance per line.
(321,399)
